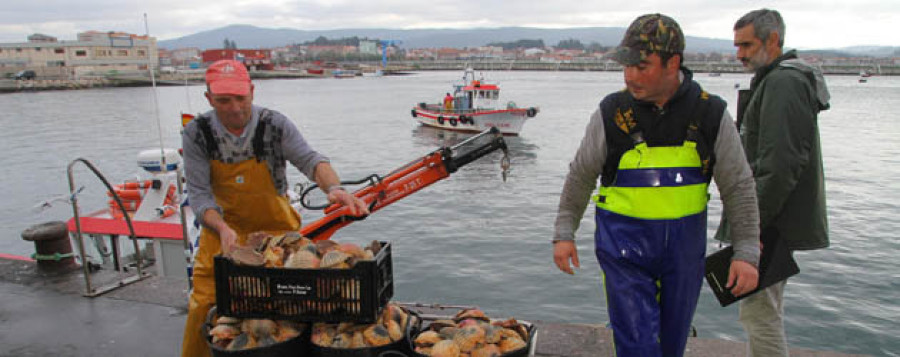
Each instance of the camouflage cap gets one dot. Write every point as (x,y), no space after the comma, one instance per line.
(648,34)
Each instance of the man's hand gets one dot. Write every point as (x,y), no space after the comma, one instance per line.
(227,238)
(742,277)
(565,251)
(357,206)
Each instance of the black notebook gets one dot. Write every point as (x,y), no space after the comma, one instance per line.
(775,264)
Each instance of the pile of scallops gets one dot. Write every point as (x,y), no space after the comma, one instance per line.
(291,250)
(389,328)
(232,334)
(471,334)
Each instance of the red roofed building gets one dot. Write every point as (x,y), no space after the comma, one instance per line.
(253,59)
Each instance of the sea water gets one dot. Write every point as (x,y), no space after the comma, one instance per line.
(473,239)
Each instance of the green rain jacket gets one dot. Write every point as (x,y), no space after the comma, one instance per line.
(780,133)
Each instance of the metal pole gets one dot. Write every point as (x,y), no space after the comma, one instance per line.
(186,239)
(78,236)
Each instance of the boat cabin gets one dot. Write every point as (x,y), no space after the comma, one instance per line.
(475,95)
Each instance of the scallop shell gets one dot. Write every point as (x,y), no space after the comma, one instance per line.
(394,330)
(445,348)
(258,240)
(259,328)
(224,332)
(274,257)
(471,314)
(377,335)
(468,337)
(241,342)
(358,340)
(492,334)
(335,260)
(247,256)
(489,350)
(427,339)
(323,335)
(342,341)
(325,246)
(227,320)
(302,259)
(354,250)
(511,344)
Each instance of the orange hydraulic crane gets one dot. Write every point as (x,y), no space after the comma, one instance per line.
(405,180)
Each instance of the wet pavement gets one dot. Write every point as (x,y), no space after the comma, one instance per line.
(46,314)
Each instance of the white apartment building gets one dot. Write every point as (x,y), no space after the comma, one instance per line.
(93,53)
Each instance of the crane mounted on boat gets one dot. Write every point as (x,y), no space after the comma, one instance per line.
(404,181)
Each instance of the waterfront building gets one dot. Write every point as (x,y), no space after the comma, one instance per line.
(94,53)
(253,59)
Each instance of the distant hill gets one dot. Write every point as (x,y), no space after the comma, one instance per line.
(247,36)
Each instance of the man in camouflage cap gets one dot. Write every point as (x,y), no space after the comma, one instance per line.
(648,34)
(655,147)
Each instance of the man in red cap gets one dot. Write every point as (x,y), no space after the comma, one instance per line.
(235,157)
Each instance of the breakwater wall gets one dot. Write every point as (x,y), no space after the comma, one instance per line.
(700,67)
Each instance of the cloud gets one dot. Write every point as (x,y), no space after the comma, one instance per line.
(811,24)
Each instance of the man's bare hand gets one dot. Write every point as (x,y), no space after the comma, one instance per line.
(357,206)
(742,277)
(564,252)
(227,239)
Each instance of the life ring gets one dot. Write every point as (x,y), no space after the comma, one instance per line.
(531,112)
(452,121)
(413,112)
(441,119)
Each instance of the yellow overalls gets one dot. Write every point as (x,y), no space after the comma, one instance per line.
(250,203)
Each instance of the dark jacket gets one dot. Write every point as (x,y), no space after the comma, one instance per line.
(780,132)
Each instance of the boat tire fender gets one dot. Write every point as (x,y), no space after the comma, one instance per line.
(531,112)
(440,119)
(452,121)
(463,119)
(412,112)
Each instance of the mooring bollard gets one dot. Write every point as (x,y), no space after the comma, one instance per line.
(53,251)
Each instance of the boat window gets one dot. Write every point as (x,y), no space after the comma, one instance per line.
(496,95)
(480,94)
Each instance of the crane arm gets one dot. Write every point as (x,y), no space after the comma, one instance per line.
(406,180)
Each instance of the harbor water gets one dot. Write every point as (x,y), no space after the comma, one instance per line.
(473,239)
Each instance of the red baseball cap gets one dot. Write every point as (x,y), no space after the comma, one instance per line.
(228,77)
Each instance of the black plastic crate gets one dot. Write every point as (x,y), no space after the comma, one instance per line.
(356,295)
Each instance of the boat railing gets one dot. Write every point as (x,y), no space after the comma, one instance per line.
(90,289)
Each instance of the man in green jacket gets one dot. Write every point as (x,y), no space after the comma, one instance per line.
(778,122)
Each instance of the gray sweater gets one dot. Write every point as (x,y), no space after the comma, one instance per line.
(282,141)
(731,173)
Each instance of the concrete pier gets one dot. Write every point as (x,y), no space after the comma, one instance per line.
(45,314)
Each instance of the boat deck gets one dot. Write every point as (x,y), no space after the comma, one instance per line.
(45,314)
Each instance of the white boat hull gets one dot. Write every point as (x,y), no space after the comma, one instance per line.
(509,121)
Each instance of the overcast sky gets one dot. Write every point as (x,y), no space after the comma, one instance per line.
(810,24)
